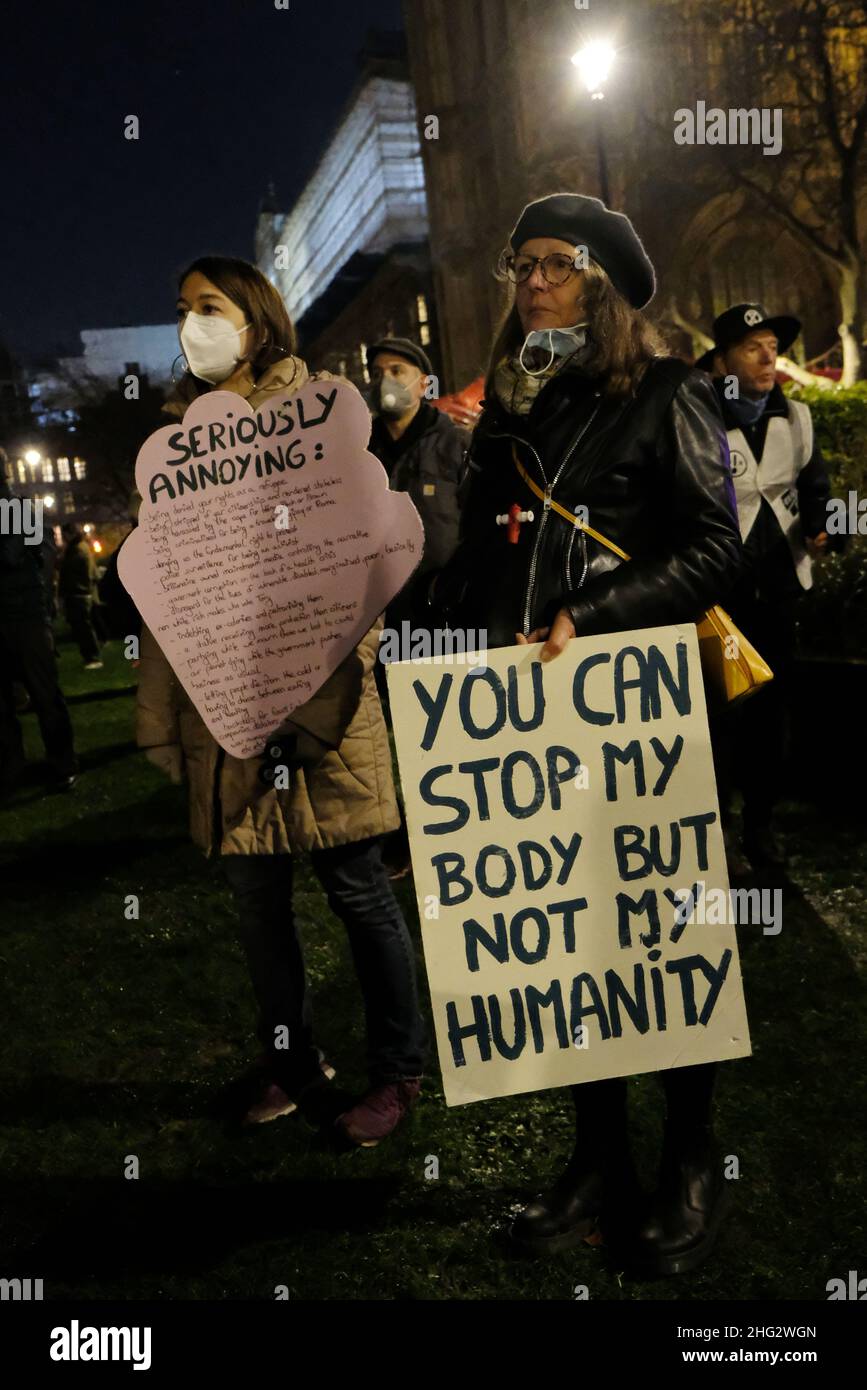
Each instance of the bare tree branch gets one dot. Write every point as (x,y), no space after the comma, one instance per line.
(796,224)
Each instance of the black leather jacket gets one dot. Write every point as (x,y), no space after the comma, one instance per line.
(653,472)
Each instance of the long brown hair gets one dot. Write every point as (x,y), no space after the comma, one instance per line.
(261,305)
(622,340)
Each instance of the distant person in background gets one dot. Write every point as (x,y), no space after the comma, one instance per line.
(77,591)
(782,490)
(421,449)
(121,617)
(27,655)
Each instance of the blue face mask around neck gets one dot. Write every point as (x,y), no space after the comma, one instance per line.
(746,411)
(561,342)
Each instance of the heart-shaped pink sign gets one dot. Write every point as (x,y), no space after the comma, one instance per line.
(268,543)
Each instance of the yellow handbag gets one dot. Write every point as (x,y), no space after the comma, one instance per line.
(731,666)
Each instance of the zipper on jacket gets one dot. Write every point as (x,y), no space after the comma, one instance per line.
(547,508)
(569,587)
(528,603)
(549,488)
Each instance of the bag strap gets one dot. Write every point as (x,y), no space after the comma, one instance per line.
(562,511)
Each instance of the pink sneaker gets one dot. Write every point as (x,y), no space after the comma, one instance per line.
(274,1101)
(379,1113)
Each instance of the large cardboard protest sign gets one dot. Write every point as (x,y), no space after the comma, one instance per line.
(564,824)
(268,543)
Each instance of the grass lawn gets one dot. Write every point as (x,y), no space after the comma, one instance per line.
(119,1033)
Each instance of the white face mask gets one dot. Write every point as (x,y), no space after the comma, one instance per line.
(211,345)
(394,397)
(561,342)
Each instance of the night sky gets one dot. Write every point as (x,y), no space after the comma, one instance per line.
(229,94)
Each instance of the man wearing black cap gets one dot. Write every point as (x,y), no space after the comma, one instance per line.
(782,490)
(421,449)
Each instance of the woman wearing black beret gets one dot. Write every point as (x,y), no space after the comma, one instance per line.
(581,400)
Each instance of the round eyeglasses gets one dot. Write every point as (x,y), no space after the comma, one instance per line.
(556,269)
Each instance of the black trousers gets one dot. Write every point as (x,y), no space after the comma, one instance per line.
(600,1107)
(79,614)
(750,741)
(360,894)
(27,655)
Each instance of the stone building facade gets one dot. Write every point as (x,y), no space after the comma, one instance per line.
(351,257)
(513,122)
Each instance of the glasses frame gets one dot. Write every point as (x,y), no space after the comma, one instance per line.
(506,267)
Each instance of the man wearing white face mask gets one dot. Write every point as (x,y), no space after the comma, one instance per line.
(421,449)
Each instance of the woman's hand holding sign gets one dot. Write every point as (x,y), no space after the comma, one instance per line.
(561,631)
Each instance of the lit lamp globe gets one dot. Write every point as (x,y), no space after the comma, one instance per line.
(594,63)
(32,457)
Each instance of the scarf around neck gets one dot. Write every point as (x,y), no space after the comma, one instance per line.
(517,390)
(746,411)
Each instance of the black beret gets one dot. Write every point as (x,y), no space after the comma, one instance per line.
(401,347)
(610,238)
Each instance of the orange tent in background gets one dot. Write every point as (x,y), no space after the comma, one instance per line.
(463,406)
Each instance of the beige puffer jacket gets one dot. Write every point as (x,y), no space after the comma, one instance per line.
(348,795)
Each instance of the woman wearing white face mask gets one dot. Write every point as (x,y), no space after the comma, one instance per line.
(237,336)
(234,331)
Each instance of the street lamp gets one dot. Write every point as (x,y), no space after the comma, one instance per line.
(32,457)
(594,62)
(48,500)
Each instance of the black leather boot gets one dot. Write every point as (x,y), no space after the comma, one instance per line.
(682,1219)
(599,1181)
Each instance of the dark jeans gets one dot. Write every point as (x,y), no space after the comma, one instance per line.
(27,654)
(79,615)
(359,893)
(750,741)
